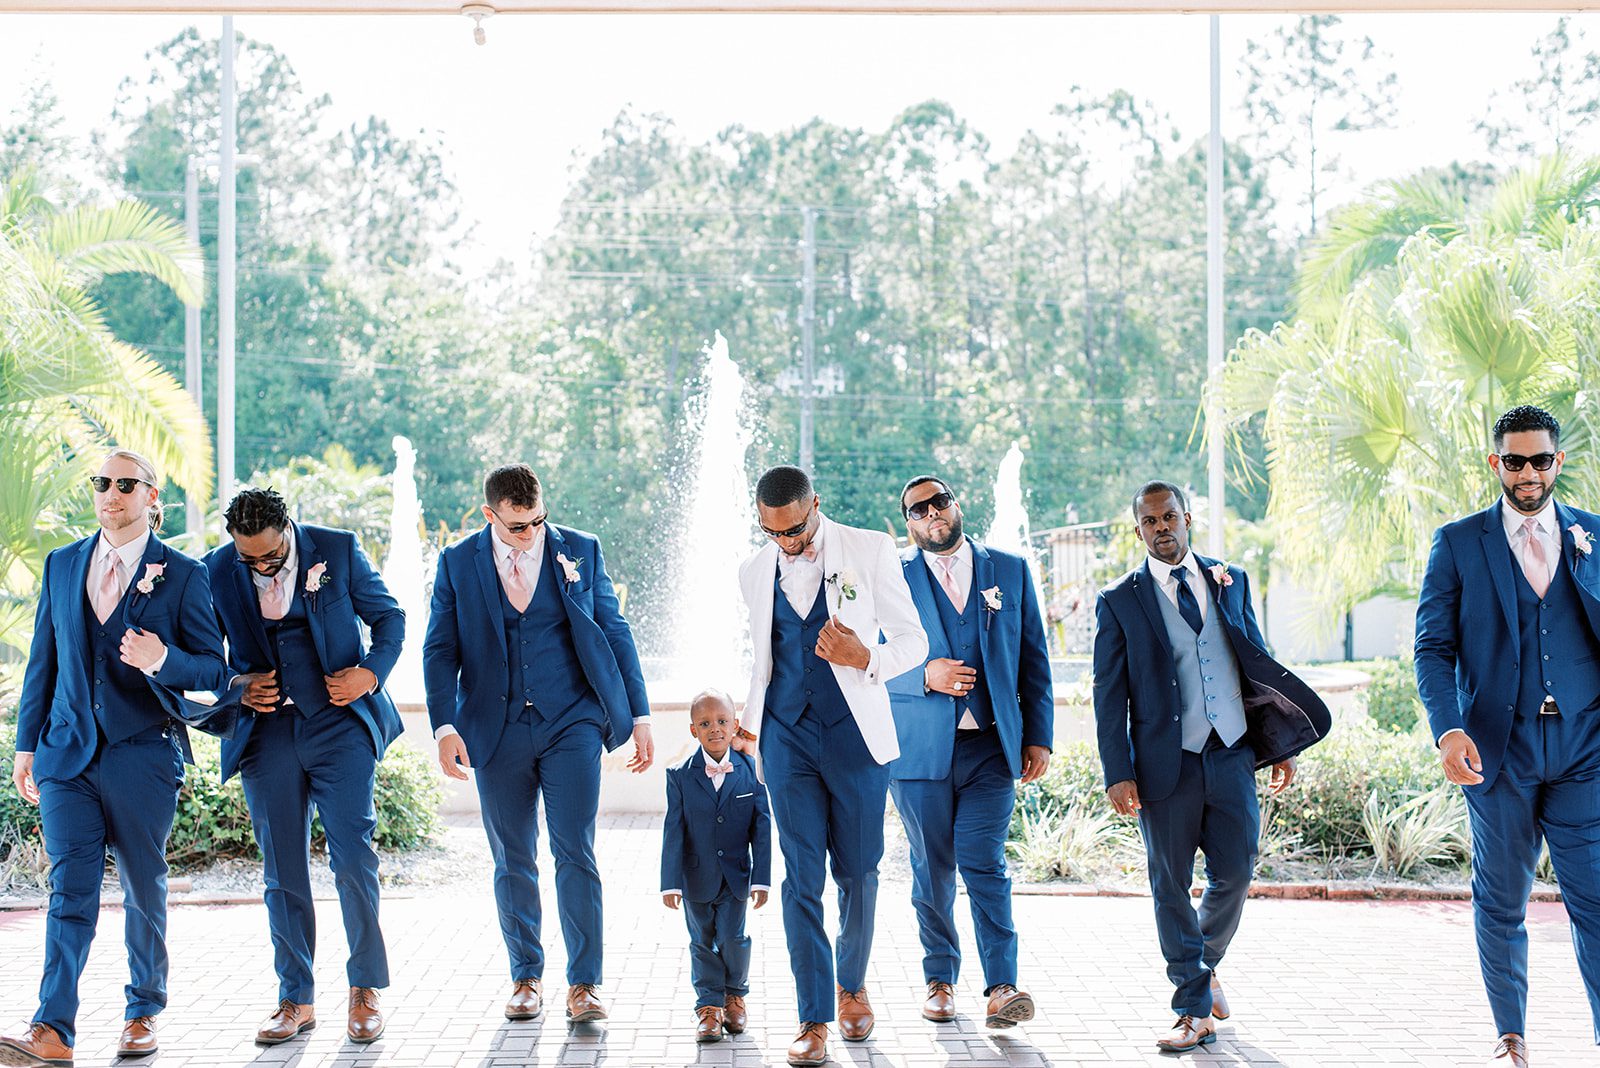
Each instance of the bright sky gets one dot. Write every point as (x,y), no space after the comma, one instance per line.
(511,114)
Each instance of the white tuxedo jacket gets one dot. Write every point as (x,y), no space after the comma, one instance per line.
(882,615)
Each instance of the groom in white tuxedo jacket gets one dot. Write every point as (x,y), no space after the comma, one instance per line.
(820,596)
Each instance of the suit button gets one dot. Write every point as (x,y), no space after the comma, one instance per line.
(1202,641)
(719,819)
(1174,682)
(524,667)
(1211,697)
(97,706)
(1174,719)
(1508,708)
(1208,678)
(808,693)
(99,660)
(1547,684)
(1544,632)
(719,852)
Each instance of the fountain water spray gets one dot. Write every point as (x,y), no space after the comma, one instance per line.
(1010,530)
(403,574)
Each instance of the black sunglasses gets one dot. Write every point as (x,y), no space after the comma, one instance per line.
(1541,461)
(124,485)
(792,532)
(941,501)
(518,528)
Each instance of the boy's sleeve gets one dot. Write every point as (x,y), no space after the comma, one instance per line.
(672,839)
(761,843)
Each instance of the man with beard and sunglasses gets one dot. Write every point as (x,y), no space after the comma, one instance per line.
(124,626)
(1508,668)
(831,621)
(291,598)
(972,719)
(532,675)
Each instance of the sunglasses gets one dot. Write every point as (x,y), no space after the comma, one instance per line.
(1541,461)
(124,485)
(792,532)
(521,528)
(941,501)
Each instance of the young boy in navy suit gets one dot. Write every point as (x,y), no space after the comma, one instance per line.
(716,850)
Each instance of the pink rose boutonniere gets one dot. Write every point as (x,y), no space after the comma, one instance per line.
(1219,574)
(1582,539)
(317,577)
(569,567)
(153,573)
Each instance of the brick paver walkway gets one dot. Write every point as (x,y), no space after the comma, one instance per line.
(1312,983)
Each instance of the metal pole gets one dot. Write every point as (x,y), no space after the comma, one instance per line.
(808,340)
(227,250)
(193,505)
(1216,478)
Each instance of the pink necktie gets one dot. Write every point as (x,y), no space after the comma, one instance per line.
(1535,564)
(713,770)
(109,590)
(947,579)
(275,598)
(518,592)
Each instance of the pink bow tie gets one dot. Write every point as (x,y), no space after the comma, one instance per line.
(713,770)
(809,553)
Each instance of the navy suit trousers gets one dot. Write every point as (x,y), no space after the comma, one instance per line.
(560,762)
(1549,787)
(291,763)
(719,950)
(962,821)
(828,798)
(125,799)
(1213,809)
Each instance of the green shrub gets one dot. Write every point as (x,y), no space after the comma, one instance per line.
(1392,701)
(213,822)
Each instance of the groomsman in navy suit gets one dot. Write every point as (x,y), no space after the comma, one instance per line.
(976,716)
(124,626)
(291,599)
(531,675)
(716,851)
(1508,667)
(831,621)
(1188,704)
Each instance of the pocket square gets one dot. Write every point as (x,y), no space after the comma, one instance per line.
(737,796)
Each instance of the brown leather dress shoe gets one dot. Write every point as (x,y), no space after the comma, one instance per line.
(1219,1000)
(288,1021)
(138,1037)
(1008,1007)
(366,1019)
(527,1000)
(41,1045)
(855,1014)
(1187,1033)
(709,1027)
(583,1004)
(940,1007)
(1510,1052)
(810,1046)
(734,1016)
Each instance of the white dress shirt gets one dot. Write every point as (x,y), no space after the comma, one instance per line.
(800,578)
(1548,535)
(1167,575)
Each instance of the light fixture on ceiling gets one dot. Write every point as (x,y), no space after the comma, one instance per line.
(477,13)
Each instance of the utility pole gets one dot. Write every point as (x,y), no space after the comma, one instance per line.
(192,510)
(1216,475)
(227,256)
(808,340)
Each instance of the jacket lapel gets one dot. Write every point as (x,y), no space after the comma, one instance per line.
(982,579)
(244,592)
(697,772)
(759,596)
(73,601)
(134,602)
(1144,590)
(309,558)
(489,580)
(1497,554)
(917,578)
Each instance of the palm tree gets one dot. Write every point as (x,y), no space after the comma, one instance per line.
(1420,316)
(69,389)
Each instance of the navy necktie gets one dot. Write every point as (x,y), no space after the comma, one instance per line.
(1188,607)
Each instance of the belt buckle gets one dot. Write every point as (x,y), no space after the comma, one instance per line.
(1549,707)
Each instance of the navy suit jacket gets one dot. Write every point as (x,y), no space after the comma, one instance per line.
(1016,669)
(1137,707)
(464,663)
(55,714)
(712,835)
(1467,639)
(352,593)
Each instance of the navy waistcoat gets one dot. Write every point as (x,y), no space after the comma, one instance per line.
(964,632)
(801,678)
(545,670)
(1557,650)
(294,652)
(124,704)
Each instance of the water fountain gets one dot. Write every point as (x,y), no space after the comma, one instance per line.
(403,574)
(710,643)
(1010,530)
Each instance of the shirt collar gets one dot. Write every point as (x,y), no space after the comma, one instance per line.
(130,553)
(1513,519)
(1163,570)
(962,556)
(727,757)
(502,551)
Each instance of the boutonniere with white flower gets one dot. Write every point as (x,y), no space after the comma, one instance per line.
(1219,574)
(1582,539)
(991,601)
(844,584)
(317,576)
(153,573)
(569,567)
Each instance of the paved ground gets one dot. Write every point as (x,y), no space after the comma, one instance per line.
(1313,983)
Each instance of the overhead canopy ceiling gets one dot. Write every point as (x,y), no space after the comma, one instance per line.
(508,7)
